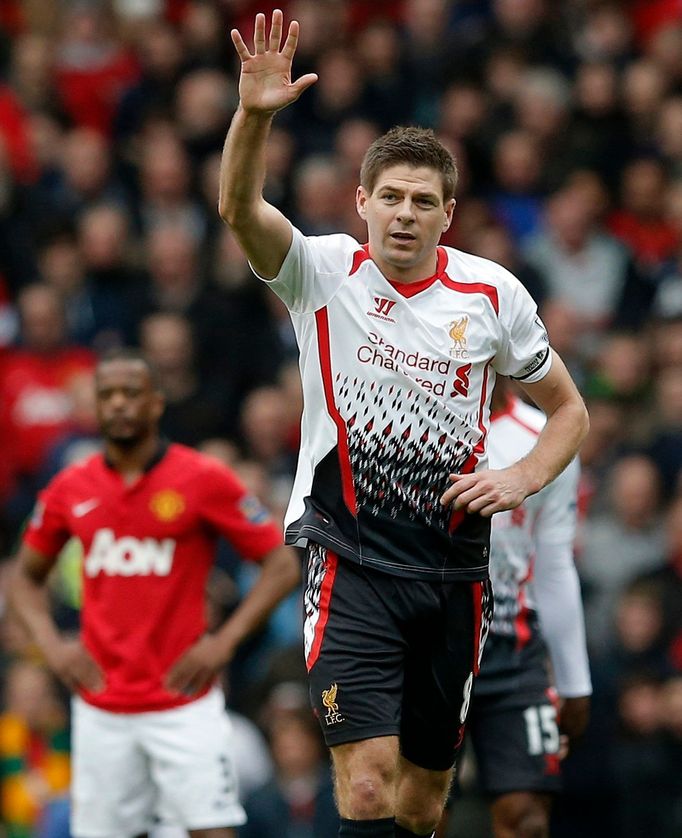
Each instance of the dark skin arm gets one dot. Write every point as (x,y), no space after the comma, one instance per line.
(574,716)
(280,574)
(67,657)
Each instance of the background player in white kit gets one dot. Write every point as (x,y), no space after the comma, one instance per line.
(400,341)
(520,709)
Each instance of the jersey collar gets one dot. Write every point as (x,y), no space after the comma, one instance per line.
(407,289)
(155,459)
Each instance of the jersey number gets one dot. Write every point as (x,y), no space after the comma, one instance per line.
(542,730)
(460,386)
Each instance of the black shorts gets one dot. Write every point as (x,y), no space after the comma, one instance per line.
(516,741)
(392,656)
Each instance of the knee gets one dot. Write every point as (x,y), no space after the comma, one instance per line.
(368,795)
(422,818)
(533,825)
(522,823)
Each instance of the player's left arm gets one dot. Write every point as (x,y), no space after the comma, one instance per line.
(559,604)
(494,490)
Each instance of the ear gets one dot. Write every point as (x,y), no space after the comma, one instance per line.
(449,209)
(361,202)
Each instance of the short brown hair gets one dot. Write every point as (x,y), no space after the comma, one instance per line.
(413,146)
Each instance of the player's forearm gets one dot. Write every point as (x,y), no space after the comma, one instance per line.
(556,446)
(242,169)
(560,611)
(280,574)
(29,601)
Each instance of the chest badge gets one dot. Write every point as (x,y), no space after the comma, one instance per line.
(457,331)
(167,505)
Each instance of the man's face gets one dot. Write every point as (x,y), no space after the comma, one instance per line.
(406,217)
(128,405)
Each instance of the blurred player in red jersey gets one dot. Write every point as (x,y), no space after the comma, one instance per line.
(150,736)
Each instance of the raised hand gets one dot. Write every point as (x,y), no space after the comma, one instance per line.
(265,84)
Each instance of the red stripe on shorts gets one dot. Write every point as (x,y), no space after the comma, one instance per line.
(325,598)
(477,590)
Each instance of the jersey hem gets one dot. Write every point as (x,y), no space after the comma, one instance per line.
(299,537)
(130,708)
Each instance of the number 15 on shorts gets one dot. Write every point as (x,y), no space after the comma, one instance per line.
(542,730)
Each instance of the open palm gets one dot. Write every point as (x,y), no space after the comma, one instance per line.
(265,84)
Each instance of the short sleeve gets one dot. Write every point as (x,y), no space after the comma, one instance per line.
(313,270)
(48,528)
(230,509)
(525,354)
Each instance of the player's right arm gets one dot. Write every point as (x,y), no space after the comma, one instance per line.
(67,658)
(265,87)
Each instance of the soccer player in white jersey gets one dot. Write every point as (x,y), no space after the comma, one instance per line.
(513,724)
(400,341)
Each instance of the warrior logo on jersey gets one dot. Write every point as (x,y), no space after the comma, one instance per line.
(382,309)
(167,505)
(457,332)
(329,700)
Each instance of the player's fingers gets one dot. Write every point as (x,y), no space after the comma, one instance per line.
(276,30)
(460,483)
(259,34)
(472,499)
(304,83)
(487,511)
(291,41)
(178,675)
(239,45)
(87,675)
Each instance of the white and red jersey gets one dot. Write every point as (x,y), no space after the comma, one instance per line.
(532,571)
(148,548)
(397,380)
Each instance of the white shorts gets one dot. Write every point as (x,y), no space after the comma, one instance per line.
(130,769)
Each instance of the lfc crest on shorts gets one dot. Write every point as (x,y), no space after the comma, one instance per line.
(332,717)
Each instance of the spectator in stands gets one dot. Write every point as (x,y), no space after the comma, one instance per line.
(666,444)
(34,749)
(581,266)
(639,222)
(95,314)
(621,544)
(35,408)
(197,407)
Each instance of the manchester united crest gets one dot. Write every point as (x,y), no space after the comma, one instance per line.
(167,505)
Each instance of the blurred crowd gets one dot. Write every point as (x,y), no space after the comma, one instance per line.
(566,122)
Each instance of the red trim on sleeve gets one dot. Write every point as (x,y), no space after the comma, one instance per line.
(322,321)
(474,288)
(359,257)
(325,598)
